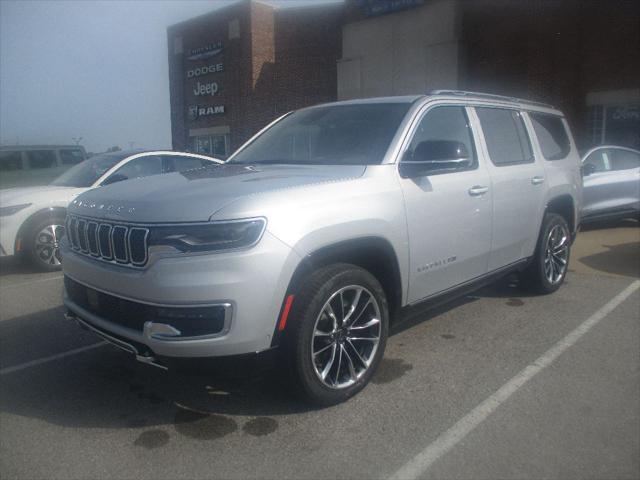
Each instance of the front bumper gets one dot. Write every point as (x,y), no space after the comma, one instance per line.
(251,284)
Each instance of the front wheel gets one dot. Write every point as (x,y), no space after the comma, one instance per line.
(42,243)
(338,333)
(549,266)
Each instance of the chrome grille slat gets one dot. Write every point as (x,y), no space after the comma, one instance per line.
(110,242)
(92,238)
(82,235)
(103,245)
(119,243)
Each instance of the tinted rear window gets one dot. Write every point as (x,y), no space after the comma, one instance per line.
(71,156)
(41,159)
(552,136)
(505,135)
(10,161)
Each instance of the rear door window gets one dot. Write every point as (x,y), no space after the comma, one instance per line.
(71,156)
(41,159)
(624,159)
(505,135)
(600,159)
(10,161)
(551,134)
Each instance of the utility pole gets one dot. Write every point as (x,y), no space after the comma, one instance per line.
(77,140)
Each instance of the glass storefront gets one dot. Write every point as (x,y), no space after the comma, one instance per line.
(615,125)
(214,145)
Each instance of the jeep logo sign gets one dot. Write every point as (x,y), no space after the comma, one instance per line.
(206,89)
(197,72)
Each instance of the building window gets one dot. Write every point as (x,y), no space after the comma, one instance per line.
(214,145)
(614,125)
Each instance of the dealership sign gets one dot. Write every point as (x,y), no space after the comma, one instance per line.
(380,7)
(207,69)
(197,111)
(205,89)
(208,51)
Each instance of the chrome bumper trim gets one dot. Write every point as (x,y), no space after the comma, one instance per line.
(127,347)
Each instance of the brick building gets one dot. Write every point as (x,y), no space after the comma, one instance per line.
(234,70)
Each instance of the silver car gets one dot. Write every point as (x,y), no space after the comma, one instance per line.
(315,235)
(611,183)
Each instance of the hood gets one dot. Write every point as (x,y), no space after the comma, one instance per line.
(195,195)
(19,195)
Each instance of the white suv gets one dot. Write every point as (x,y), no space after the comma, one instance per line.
(316,233)
(32,218)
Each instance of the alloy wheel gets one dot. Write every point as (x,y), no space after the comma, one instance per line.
(556,254)
(48,244)
(346,336)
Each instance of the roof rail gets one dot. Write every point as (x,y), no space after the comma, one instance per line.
(488,96)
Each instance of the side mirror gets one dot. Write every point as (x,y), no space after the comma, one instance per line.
(435,156)
(116,177)
(588,169)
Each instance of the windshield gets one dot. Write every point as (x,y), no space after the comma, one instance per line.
(337,134)
(86,173)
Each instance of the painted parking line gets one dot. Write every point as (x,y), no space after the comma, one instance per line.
(417,466)
(52,358)
(26,284)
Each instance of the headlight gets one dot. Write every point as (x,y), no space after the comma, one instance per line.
(8,211)
(209,237)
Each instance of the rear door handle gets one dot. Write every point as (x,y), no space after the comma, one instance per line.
(537,180)
(478,190)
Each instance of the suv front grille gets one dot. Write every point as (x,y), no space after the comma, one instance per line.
(122,244)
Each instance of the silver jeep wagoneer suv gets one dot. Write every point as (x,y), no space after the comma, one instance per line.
(314,235)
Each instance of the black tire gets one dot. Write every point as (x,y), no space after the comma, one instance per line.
(44,259)
(307,310)
(536,277)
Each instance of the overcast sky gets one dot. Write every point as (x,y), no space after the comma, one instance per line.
(91,69)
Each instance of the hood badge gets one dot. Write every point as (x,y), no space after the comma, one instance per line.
(111,208)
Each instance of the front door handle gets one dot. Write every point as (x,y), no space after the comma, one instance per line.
(478,190)
(537,180)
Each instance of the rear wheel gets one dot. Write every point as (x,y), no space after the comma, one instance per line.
(337,335)
(551,261)
(42,243)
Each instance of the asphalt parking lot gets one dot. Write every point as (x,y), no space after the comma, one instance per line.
(496,385)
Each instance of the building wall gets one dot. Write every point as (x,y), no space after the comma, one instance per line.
(560,52)
(231,26)
(580,55)
(274,61)
(406,52)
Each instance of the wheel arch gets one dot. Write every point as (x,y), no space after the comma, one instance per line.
(374,254)
(30,221)
(563,205)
